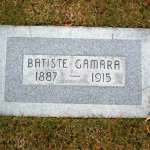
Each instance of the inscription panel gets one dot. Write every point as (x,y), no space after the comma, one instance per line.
(73,70)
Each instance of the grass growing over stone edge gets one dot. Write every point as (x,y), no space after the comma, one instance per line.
(65,133)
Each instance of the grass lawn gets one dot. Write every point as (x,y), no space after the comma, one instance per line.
(121,13)
(93,134)
(63,133)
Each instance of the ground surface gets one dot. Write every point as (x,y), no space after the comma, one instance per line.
(53,133)
(123,13)
(72,134)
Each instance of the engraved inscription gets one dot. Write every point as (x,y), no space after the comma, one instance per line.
(74,70)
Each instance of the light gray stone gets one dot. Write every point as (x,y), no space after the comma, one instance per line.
(70,91)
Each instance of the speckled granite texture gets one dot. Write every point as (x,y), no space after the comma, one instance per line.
(129,95)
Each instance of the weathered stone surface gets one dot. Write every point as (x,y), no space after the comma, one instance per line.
(75,72)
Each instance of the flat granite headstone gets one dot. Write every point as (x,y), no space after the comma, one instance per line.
(74,71)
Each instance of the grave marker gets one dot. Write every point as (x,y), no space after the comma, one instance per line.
(74,71)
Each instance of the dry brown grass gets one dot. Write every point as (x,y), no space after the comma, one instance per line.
(73,134)
(121,13)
